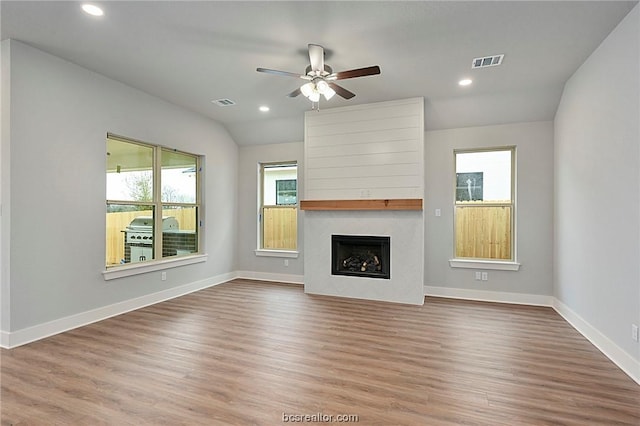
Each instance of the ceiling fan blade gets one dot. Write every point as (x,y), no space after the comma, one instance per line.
(316,57)
(341,91)
(360,72)
(294,93)
(282,73)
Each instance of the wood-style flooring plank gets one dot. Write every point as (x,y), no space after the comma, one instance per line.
(248,352)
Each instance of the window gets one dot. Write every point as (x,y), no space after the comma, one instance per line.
(142,180)
(278,214)
(484,204)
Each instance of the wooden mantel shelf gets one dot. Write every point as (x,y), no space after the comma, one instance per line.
(391,204)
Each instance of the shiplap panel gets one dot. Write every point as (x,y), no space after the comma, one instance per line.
(360,151)
(384,147)
(365,112)
(361,182)
(364,138)
(365,171)
(370,160)
(368,125)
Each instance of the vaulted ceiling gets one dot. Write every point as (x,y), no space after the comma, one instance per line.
(190,53)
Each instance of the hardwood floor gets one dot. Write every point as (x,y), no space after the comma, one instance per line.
(247,352)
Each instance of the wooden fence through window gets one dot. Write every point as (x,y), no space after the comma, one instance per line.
(483,232)
(280,228)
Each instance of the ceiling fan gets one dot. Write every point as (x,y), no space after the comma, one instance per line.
(321,77)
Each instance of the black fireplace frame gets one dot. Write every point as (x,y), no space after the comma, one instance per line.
(382,243)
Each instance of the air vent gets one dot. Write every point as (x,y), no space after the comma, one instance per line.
(223,102)
(487,61)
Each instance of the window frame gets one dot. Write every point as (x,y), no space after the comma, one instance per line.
(261,250)
(510,264)
(159,262)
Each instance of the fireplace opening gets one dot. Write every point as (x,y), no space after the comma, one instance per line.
(361,255)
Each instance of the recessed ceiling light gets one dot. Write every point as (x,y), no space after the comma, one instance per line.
(92,10)
(264,108)
(465,82)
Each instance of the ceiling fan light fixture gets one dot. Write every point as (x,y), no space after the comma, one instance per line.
(314,97)
(308,89)
(322,86)
(328,93)
(314,89)
(325,90)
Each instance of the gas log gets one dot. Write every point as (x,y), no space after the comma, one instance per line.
(367,262)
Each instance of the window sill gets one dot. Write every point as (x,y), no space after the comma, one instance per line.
(484,264)
(277,253)
(143,268)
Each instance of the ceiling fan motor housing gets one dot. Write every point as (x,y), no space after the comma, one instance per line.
(313,73)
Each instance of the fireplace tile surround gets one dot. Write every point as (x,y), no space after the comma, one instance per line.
(406,231)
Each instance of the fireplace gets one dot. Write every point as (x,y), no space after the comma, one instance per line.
(405,263)
(361,256)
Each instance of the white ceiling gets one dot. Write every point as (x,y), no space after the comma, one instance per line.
(190,53)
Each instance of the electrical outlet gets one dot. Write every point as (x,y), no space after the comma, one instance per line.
(438,212)
(485,276)
(478,276)
(634,332)
(163,276)
(286,262)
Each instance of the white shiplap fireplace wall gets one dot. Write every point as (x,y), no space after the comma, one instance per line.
(366,152)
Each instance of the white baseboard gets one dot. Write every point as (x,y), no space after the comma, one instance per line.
(4,339)
(605,345)
(13,339)
(489,296)
(268,276)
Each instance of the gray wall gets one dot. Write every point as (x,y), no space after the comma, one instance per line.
(5,99)
(250,157)
(53,188)
(534,209)
(597,188)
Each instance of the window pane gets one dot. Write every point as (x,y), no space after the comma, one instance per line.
(129,171)
(280,185)
(178,177)
(483,232)
(279,209)
(286,192)
(180,230)
(130,234)
(483,176)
